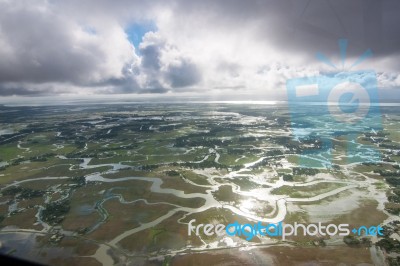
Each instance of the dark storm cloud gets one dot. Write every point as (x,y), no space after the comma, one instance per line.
(11,90)
(151,57)
(183,75)
(16,88)
(38,47)
(309,25)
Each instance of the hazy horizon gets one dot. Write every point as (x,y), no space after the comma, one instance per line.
(211,49)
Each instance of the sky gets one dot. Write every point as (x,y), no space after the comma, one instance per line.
(222,49)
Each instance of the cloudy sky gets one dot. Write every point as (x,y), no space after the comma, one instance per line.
(207,47)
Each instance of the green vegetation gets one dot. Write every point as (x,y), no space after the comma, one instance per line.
(305,171)
(389,244)
(287,177)
(354,241)
(54,212)
(306,191)
(172,173)
(23,193)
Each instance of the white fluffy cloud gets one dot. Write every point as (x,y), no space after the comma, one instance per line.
(40,44)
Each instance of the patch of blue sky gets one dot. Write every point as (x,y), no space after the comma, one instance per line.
(90,30)
(136,31)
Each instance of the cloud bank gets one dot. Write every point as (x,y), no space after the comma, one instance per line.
(210,47)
